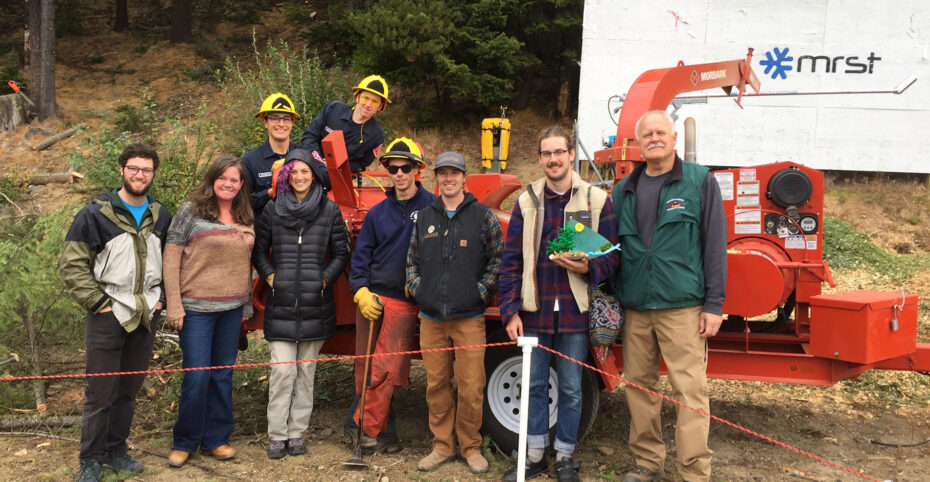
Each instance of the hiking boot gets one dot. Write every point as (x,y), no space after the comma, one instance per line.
(477,464)
(388,443)
(91,470)
(533,469)
(642,474)
(296,446)
(368,442)
(223,452)
(433,461)
(177,458)
(124,463)
(276,449)
(566,470)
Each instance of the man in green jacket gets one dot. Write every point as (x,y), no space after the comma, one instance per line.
(673,274)
(111,264)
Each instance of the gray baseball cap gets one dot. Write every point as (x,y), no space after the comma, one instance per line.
(451,159)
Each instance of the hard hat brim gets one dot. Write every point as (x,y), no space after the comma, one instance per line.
(265,112)
(356,89)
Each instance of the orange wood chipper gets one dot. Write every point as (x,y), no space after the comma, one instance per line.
(778,325)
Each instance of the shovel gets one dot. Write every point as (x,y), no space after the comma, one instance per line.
(356,461)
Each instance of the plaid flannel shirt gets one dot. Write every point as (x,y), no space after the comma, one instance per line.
(552,280)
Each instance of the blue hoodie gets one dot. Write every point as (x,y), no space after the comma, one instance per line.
(379,260)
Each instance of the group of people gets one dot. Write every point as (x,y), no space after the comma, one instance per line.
(420,260)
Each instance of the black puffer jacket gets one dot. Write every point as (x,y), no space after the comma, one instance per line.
(299,308)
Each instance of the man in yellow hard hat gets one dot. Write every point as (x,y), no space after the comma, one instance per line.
(379,264)
(277,114)
(363,135)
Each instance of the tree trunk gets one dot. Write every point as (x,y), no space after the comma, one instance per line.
(181,21)
(38,386)
(121,23)
(41,45)
(11,111)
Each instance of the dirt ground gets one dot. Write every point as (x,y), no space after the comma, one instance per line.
(839,422)
(828,421)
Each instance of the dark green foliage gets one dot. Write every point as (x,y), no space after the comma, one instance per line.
(456,51)
(477,53)
(34,299)
(69,18)
(11,187)
(299,74)
(563,242)
(9,69)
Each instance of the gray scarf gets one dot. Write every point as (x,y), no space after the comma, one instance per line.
(297,214)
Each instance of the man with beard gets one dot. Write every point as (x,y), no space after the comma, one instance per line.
(452,268)
(673,277)
(112,265)
(548,299)
(377,278)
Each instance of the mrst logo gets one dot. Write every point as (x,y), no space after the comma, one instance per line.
(778,63)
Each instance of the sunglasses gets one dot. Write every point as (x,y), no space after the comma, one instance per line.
(406,168)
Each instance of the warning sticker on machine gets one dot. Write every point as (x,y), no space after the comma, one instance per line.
(743,188)
(750,215)
(811,241)
(725,181)
(795,242)
(747,175)
(747,228)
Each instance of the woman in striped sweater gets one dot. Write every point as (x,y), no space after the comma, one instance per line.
(207,278)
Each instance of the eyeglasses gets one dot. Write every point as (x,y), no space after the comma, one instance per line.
(133,170)
(406,168)
(548,154)
(280,118)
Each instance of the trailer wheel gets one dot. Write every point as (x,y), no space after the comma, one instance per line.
(501,414)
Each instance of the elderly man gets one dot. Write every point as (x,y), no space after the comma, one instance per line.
(673,274)
(452,268)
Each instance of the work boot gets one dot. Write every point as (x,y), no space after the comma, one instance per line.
(124,463)
(223,452)
(296,446)
(642,474)
(91,470)
(177,458)
(368,442)
(276,449)
(533,469)
(433,461)
(566,470)
(477,464)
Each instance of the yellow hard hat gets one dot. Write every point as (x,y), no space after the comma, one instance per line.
(278,102)
(404,148)
(374,84)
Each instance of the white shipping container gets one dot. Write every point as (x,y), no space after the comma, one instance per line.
(807,45)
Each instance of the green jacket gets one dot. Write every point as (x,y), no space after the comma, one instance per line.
(109,261)
(670,273)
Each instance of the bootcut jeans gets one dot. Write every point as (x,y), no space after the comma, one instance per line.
(205,414)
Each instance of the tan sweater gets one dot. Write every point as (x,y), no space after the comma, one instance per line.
(206,264)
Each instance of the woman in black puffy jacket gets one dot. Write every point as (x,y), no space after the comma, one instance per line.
(304,232)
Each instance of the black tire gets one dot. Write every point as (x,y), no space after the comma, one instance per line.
(501,413)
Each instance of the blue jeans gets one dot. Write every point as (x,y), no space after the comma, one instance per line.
(205,415)
(569,374)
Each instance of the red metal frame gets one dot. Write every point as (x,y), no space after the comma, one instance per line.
(764,272)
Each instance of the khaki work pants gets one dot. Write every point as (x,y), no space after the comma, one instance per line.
(290,388)
(671,334)
(446,412)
